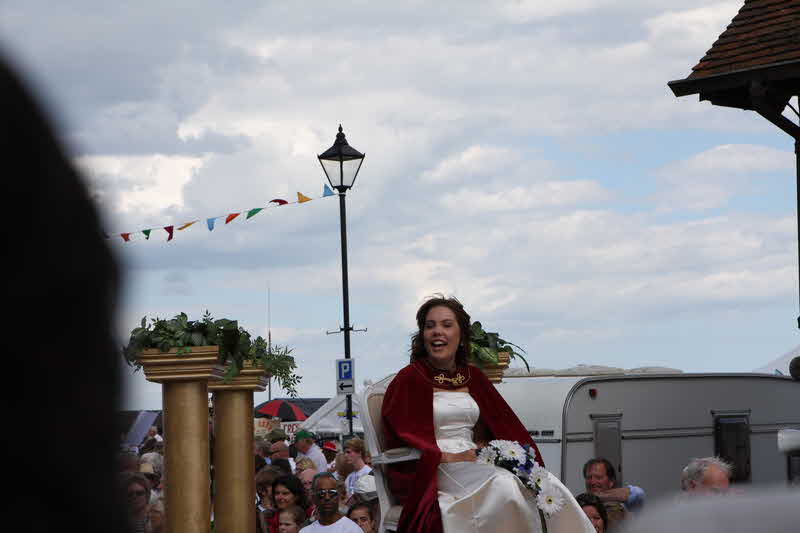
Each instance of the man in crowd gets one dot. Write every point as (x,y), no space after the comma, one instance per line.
(277,434)
(706,475)
(601,480)
(326,498)
(306,447)
(355,453)
(330,450)
(279,450)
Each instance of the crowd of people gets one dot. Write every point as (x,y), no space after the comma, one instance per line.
(444,408)
(299,482)
(608,505)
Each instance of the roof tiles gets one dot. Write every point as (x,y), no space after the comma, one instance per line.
(764,32)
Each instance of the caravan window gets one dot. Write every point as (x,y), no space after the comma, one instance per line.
(793,468)
(732,443)
(608,440)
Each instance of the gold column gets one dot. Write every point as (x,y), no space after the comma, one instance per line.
(234,476)
(184,378)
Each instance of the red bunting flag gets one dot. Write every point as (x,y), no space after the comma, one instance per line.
(231,217)
(125,236)
(169,231)
(278,201)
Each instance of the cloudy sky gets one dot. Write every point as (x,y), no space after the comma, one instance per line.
(525,156)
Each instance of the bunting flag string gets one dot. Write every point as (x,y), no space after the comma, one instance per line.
(211,221)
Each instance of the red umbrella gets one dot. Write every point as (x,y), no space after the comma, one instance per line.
(282,409)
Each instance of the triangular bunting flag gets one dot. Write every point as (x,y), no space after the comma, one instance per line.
(210,222)
(231,217)
(125,236)
(278,201)
(253,212)
(302,198)
(186,225)
(169,229)
(327,191)
(146,233)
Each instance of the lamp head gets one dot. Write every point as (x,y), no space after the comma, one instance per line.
(341,163)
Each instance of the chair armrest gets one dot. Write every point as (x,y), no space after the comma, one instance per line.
(396,455)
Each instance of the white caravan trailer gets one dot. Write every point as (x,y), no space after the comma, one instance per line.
(650,425)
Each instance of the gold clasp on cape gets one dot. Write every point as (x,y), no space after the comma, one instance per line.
(458,380)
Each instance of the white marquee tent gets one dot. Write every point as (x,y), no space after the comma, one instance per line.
(779,365)
(332,417)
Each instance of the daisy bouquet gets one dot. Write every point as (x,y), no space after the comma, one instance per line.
(519,459)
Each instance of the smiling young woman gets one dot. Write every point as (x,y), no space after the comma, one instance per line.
(437,404)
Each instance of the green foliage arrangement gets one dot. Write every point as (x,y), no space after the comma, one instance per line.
(235,345)
(486,346)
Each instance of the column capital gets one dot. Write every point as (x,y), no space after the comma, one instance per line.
(200,363)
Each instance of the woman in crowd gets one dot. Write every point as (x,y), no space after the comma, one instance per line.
(286,492)
(362,515)
(291,519)
(437,404)
(595,510)
(155,517)
(266,507)
(302,464)
(136,490)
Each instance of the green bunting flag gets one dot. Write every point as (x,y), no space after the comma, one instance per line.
(146,233)
(253,212)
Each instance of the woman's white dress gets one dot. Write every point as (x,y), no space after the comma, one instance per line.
(477,497)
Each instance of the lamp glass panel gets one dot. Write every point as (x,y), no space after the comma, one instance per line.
(349,170)
(333,171)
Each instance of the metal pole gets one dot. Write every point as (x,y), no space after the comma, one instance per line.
(797,180)
(345,298)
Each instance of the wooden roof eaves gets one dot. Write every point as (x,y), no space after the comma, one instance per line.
(783,71)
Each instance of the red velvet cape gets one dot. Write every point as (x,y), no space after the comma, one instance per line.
(408,421)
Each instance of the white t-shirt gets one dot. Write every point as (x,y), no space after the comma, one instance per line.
(315,454)
(350,482)
(343,525)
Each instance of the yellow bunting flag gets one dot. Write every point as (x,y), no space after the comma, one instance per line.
(302,198)
(186,225)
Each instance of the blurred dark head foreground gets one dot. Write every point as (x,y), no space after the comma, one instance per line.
(61,363)
(772,509)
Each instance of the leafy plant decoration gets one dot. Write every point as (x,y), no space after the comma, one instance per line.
(235,346)
(485,346)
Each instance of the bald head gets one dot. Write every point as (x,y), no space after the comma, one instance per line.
(279,450)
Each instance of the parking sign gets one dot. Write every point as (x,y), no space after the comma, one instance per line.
(345,376)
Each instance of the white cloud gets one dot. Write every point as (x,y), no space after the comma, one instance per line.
(539,195)
(475,160)
(711,178)
(147,184)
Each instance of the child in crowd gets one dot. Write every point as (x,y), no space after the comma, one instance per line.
(291,519)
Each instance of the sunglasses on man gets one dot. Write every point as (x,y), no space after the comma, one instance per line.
(327,493)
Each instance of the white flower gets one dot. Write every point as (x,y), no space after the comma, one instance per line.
(539,475)
(487,455)
(512,451)
(549,500)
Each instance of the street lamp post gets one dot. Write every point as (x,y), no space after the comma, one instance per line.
(341,163)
